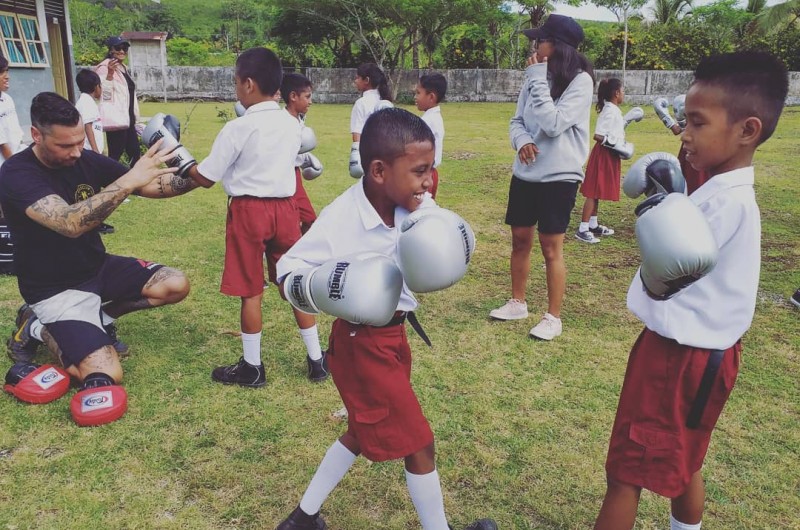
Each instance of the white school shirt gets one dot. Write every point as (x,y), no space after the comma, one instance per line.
(10,131)
(349,225)
(254,155)
(610,123)
(433,117)
(716,310)
(90,114)
(362,108)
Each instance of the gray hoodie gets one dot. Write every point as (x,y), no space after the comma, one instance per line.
(560,128)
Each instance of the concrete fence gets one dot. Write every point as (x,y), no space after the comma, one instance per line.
(336,85)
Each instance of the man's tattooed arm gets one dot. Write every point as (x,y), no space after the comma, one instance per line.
(74,220)
(167,186)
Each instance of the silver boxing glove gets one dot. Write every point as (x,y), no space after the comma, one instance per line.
(675,242)
(434,249)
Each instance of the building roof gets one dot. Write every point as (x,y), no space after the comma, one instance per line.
(144,35)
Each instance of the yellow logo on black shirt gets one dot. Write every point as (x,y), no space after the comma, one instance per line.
(83,192)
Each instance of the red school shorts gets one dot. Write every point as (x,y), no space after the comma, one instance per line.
(256,227)
(650,445)
(371,368)
(602,175)
(304,206)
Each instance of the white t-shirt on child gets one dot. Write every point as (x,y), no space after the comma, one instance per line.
(90,113)
(10,131)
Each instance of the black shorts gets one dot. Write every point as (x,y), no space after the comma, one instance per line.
(547,204)
(73,316)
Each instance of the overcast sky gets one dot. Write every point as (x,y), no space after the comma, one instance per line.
(592,12)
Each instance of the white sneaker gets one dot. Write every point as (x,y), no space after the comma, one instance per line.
(547,329)
(512,310)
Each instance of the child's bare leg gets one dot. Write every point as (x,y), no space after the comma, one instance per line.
(589,209)
(422,462)
(688,508)
(251,314)
(619,506)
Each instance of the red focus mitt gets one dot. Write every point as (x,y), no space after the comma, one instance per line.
(34,383)
(99,401)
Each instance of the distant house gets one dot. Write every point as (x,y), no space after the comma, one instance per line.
(148,49)
(37,41)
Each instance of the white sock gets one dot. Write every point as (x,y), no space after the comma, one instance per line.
(310,337)
(330,472)
(426,494)
(674,524)
(584,227)
(106,319)
(593,222)
(251,346)
(36,329)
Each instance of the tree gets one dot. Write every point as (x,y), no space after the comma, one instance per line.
(666,11)
(782,16)
(622,9)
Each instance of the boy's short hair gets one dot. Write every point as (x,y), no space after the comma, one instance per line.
(436,83)
(293,82)
(387,132)
(49,108)
(3,64)
(263,66)
(755,84)
(87,80)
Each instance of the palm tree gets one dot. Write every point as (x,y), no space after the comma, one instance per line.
(666,11)
(781,16)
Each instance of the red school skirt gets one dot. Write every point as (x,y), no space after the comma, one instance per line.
(602,175)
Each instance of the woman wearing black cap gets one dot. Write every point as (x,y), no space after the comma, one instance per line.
(119,109)
(550,132)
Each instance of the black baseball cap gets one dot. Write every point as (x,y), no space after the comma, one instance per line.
(116,41)
(560,28)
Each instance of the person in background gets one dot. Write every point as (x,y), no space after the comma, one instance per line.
(89,84)
(428,95)
(10,132)
(605,163)
(550,133)
(373,85)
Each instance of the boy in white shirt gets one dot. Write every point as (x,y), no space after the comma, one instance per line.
(682,368)
(253,158)
(91,89)
(10,131)
(428,94)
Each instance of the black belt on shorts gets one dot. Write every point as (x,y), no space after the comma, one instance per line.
(704,390)
(401,316)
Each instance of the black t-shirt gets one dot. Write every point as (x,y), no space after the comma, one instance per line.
(47,262)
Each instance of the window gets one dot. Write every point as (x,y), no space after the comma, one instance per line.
(35,46)
(21,41)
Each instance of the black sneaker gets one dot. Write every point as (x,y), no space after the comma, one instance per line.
(121,347)
(241,373)
(105,228)
(21,346)
(19,371)
(299,520)
(601,230)
(318,370)
(795,299)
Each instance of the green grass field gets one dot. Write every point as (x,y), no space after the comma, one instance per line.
(521,426)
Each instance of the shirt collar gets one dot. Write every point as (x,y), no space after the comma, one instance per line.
(369,216)
(744,176)
(264,105)
(437,109)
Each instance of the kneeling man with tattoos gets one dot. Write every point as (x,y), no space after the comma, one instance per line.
(55,194)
